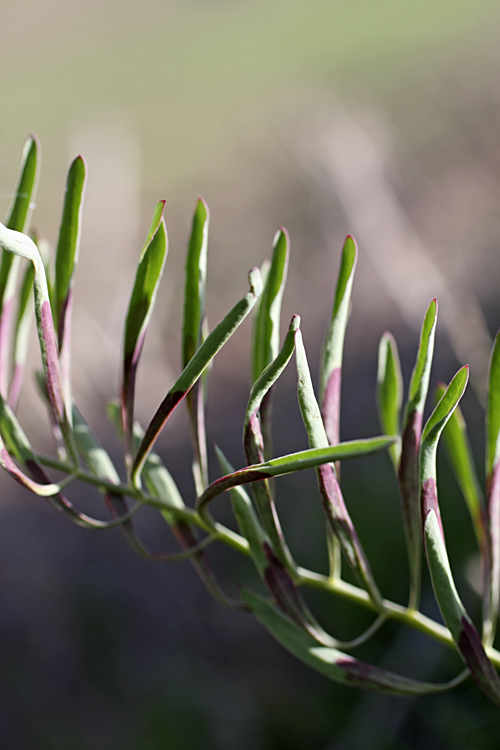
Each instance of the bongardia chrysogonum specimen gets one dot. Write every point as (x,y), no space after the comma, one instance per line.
(280,605)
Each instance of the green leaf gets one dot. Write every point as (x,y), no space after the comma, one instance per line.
(254,444)
(333,503)
(459,452)
(194,317)
(17,219)
(456,618)
(443,411)
(23,246)
(492,592)
(390,391)
(333,347)
(331,662)
(267,323)
(140,309)
(195,284)
(493,410)
(14,438)
(247,520)
(408,474)
(308,459)
(195,368)
(68,244)
(21,336)
(460,625)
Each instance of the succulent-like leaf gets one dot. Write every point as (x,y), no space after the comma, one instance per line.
(464,633)
(333,348)
(140,309)
(390,391)
(408,474)
(458,449)
(17,219)
(23,246)
(248,523)
(68,247)
(21,336)
(14,438)
(331,662)
(254,445)
(308,459)
(194,316)
(267,323)
(333,503)
(195,368)
(492,592)
(493,410)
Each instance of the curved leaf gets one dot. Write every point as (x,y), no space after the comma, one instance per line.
(331,662)
(194,316)
(390,391)
(195,368)
(408,474)
(17,219)
(140,309)
(333,347)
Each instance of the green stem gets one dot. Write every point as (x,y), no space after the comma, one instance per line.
(305,577)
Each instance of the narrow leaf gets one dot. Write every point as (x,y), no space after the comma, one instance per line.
(21,336)
(408,474)
(464,633)
(493,410)
(248,523)
(333,503)
(390,391)
(267,323)
(194,316)
(14,438)
(254,444)
(459,452)
(68,244)
(195,368)
(17,219)
(331,662)
(308,459)
(23,246)
(333,347)
(140,309)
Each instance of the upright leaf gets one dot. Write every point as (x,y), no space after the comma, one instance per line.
(248,523)
(23,246)
(459,452)
(68,248)
(492,600)
(266,334)
(333,503)
(195,368)
(253,443)
(408,474)
(462,629)
(17,219)
(140,309)
(333,347)
(390,391)
(267,323)
(194,315)
(21,336)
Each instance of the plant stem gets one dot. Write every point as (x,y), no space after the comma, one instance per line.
(305,577)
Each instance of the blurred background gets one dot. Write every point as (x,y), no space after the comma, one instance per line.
(375,117)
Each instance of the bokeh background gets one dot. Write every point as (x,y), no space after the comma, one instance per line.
(375,117)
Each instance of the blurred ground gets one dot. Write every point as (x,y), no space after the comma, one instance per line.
(377,118)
